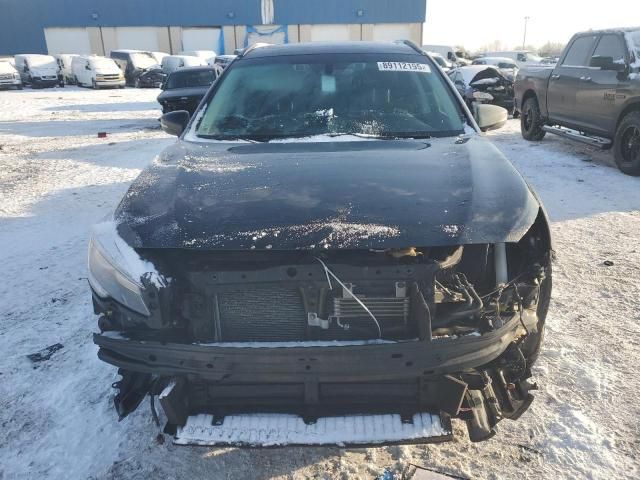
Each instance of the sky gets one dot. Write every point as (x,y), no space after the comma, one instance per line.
(474,23)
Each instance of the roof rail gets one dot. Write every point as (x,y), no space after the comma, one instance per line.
(253,47)
(412,45)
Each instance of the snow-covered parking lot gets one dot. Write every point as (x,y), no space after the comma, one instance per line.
(56,416)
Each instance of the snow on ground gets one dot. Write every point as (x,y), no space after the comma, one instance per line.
(57,179)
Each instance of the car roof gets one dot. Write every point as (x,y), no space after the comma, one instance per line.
(126,50)
(194,69)
(497,59)
(311,48)
(609,30)
(32,55)
(182,56)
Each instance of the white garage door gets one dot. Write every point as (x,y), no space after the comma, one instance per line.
(137,38)
(67,40)
(201,39)
(329,33)
(388,32)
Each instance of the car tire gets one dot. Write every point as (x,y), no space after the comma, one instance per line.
(136,84)
(531,121)
(626,144)
(94,85)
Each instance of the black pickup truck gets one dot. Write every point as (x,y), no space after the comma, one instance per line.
(592,95)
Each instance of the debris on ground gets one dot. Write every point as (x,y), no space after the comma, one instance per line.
(45,353)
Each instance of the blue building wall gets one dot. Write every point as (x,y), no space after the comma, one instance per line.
(22,22)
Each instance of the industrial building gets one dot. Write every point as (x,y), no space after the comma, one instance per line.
(99,26)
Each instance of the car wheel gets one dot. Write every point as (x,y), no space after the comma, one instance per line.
(531,121)
(94,85)
(627,144)
(137,83)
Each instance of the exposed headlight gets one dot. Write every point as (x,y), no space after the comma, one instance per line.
(116,270)
(482,96)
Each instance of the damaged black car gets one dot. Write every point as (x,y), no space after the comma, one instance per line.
(484,84)
(331,253)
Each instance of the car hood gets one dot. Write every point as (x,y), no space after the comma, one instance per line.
(183,92)
(43,71)
(355,194)
(108,71)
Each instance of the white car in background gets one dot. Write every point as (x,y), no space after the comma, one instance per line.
(504,64)
(171,63)
(97,72)
(446,51)
(64,64)
(8,59)
(440,60)
(205,54)
(9,76)
(522,58)
(38,70)
(159,56)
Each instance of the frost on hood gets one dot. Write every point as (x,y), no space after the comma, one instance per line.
(332,233)
(335,232)
(125,258)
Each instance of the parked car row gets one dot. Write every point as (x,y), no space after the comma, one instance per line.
(135,68)
(488,79)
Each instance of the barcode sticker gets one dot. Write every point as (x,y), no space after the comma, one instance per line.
(403,67)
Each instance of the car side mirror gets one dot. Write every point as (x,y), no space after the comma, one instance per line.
(606,63)
(489,117)
(174,123)
(87,67)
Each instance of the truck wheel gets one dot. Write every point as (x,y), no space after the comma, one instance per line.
(531,121)
(626,145)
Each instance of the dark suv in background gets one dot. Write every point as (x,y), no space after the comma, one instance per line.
(184,88)
(592,95)
(134,63)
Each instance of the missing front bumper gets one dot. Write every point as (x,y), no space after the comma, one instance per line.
(462,378)
(271,430)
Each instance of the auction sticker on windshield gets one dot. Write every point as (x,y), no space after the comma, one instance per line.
(403,67)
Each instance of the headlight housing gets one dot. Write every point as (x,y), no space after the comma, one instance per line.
(116,270)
